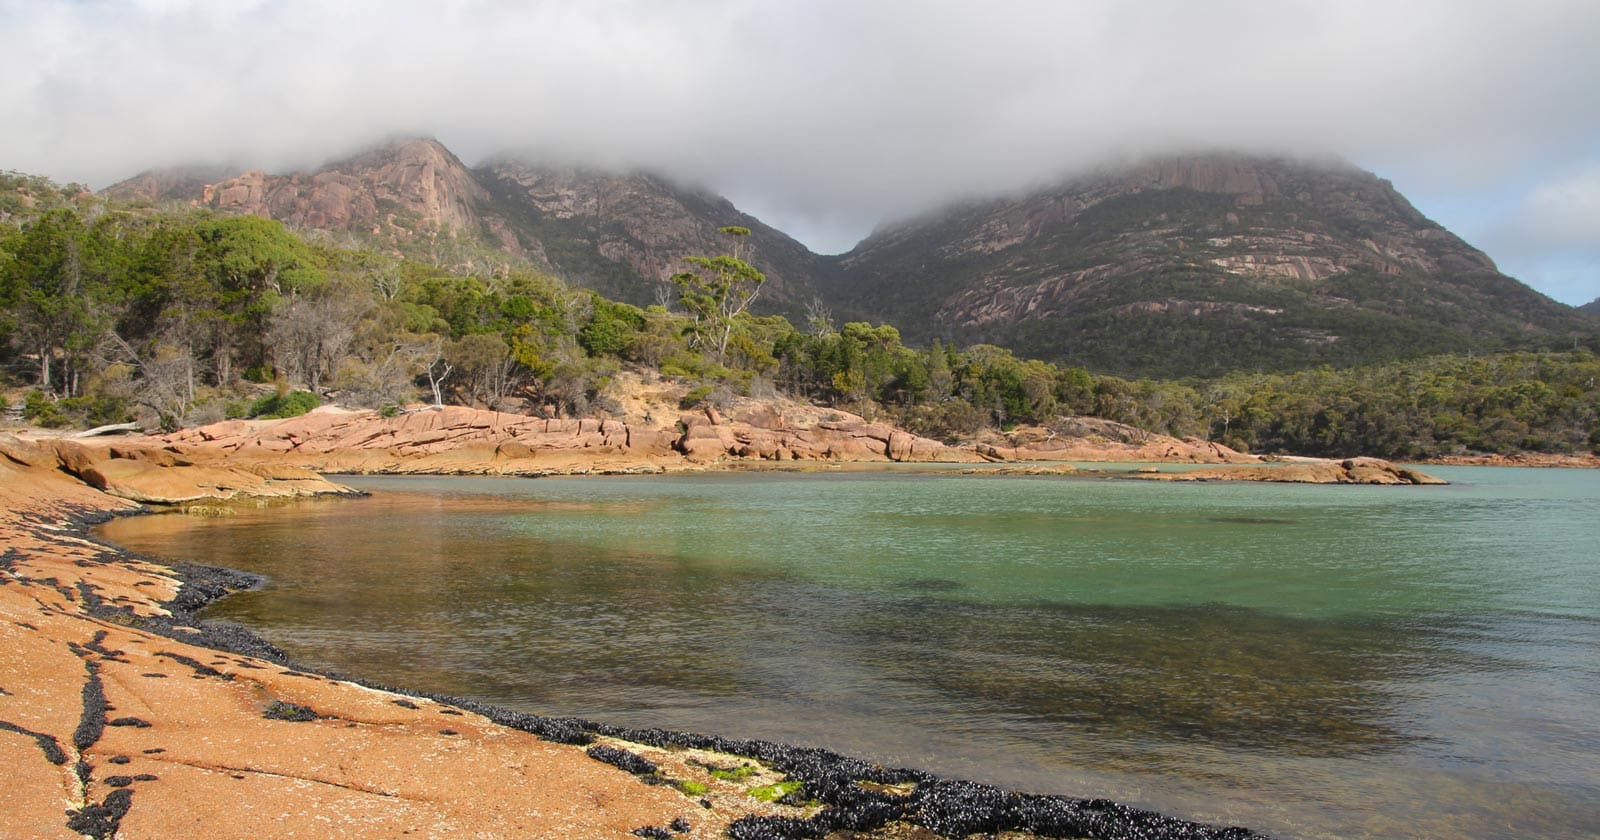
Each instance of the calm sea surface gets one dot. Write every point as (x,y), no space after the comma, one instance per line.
(1307,661)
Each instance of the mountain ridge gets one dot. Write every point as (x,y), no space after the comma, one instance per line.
(1196,263)
(622,234)
(1311,262)
(626,235)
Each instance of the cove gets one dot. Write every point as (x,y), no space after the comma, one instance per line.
(1306,661)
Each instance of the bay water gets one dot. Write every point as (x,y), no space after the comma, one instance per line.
(1307,661)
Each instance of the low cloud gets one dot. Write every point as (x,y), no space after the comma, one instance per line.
(828,116)
(1562,214)
(1553,234)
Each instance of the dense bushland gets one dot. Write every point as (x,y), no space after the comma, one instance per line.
(110,313)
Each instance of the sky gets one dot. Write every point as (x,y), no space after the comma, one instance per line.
(825,118)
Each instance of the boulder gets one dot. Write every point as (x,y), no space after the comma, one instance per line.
(26,453)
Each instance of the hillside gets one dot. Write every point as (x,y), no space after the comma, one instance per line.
(1183,266)
(1197,265)
(1591,308)
(410,196)
(622,234)
(626,235)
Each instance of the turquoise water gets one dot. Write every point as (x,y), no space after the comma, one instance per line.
(1307,661)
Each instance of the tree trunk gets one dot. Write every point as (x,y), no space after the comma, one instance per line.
(108,430)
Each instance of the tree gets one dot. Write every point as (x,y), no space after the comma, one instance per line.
(716,300)
(166,384)
(311,334)
(485,361)
(47,288)
(253,263)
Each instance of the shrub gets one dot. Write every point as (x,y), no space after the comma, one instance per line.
(41,411)
(292,404)
(696,396)
(94,409)
(261,375)
(210,411)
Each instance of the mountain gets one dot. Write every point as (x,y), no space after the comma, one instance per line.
(1192,265)
(626,235)
(405,194)
(1195,265)
(623,235)
(1591,308)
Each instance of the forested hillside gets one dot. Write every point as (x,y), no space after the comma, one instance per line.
(112,312)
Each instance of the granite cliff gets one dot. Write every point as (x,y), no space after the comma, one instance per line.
(412,196)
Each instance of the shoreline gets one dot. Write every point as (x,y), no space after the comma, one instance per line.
(125,715)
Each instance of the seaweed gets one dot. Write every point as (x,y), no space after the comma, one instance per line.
(279,710)
(47,743)
(622,759)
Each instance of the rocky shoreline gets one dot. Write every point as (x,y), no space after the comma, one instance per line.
(124,715)
(286,458)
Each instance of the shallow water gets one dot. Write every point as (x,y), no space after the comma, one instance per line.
(1306,661)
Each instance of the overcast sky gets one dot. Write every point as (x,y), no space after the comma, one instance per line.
(825,118)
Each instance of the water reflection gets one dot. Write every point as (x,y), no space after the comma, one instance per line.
(991,658)
(577,624)
(1125,676)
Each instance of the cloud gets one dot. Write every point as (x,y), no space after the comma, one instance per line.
(826,117)
(1553,235)
(1563,213)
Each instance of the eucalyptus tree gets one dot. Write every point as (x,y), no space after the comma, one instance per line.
(720,293)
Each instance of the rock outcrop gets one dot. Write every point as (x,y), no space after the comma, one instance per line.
(282,458)
(409,194)
(152,475)
(458,440)
(1307,471)
(1093,439)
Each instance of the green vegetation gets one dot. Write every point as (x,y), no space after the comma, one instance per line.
(775,792)
(114,312)
(733,774)
(691,788)
(281,710)
(716,301)
(291,404)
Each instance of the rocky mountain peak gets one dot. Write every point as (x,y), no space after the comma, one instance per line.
(1313,258)
(403,188)
(400,190)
